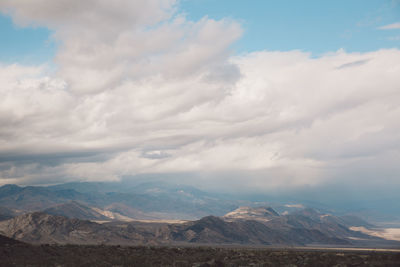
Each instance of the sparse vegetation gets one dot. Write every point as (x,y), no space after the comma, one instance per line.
(73,255)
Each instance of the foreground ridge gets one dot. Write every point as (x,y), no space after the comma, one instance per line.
(72,255)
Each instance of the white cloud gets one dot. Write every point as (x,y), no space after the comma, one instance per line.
(161,94)
(393,26)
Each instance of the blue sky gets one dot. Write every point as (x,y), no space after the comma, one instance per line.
(312,26)
(315,26)
(24,45)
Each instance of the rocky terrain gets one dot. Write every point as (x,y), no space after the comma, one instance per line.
(90,227)
(251,213)
(14,253)
(299,229)
(89,215)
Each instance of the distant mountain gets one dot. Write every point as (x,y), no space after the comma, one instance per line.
(88,187)
(120,211)
(351,220)
(32,198)
(172,203)
(251,213)
(66,211)
(6,213)
(9,189)
(77,210)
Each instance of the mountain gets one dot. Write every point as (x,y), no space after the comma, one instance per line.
(9,189)
(216,230)
(77,210)
(351,220)
(304,226)
(6,213)
(175,202)
(250,213)
(287,230)
(212,219)
(33,198)
(120,211)
(329,219)
(42,228)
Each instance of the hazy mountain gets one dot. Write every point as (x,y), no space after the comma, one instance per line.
(33,198)
(171,203)
(6,213)
(120,211)
(65,208)
(77,210)
(351,220)
(89,187)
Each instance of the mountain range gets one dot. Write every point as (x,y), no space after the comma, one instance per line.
(146,201)
(277,230)
(150,214)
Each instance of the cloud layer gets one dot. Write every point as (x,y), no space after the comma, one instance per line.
(140,89)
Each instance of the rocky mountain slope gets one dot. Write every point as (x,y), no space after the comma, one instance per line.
(42,228)
(67,210)
(287,230)
(250,213)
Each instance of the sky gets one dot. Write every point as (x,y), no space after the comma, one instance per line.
(240,95)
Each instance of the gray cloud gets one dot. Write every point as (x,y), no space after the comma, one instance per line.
(353,64)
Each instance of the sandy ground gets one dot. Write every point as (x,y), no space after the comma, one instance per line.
(386,233)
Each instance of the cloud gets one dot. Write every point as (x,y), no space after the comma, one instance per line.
(162,94)
(353,64)
(393,26)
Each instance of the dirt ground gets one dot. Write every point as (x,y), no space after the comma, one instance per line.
(73,255)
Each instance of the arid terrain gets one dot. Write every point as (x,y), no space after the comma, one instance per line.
(85,229)
(14,253)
